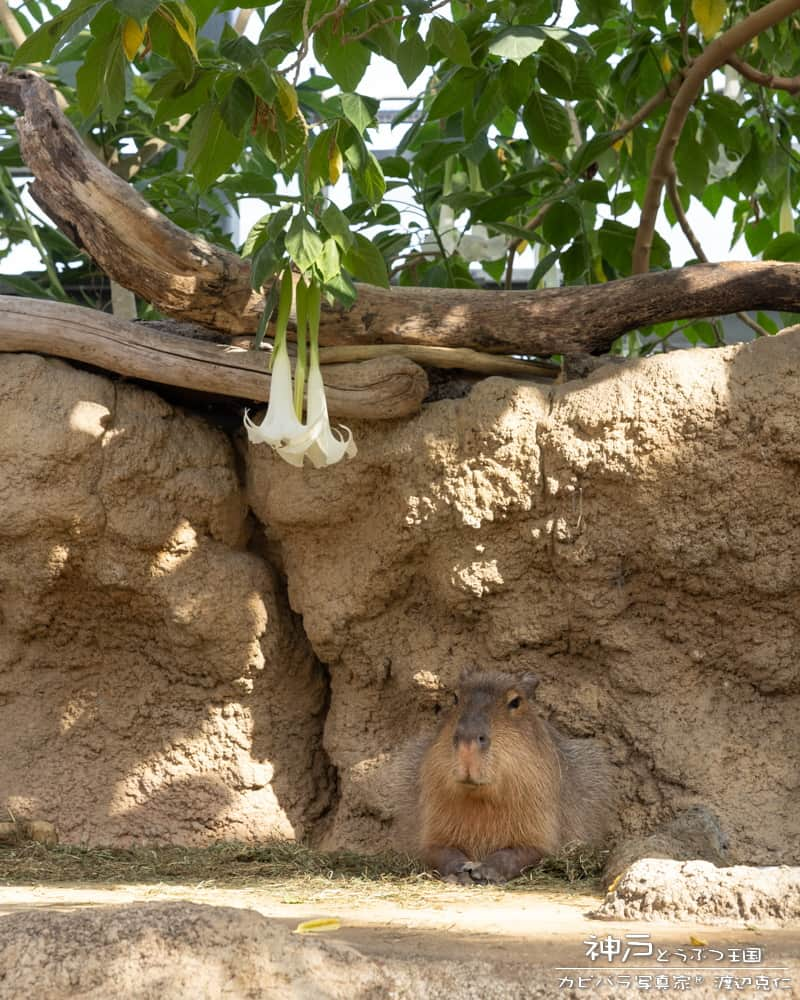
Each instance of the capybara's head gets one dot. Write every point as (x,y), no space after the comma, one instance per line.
(492,732)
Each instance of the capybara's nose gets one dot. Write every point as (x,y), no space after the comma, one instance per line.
(463,736)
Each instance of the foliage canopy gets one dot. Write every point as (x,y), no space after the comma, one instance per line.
(530,126)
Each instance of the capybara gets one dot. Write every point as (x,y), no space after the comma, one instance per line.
(498,788)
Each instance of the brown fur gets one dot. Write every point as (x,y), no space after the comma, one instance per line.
(530,788)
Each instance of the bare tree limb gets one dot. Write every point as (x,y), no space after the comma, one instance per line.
(380,389)
(717,53)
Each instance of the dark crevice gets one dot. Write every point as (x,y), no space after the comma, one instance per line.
(315,815)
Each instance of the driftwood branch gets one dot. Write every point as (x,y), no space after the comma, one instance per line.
(717,53)
(196,281)
(381,389)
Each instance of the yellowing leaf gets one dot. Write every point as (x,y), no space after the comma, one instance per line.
(180,16)
(666,62)
(132,35)
(698,942)
(335,164)
(522,247)
(318,926)
(599,274)
(287,97)
(709,14)
(786,217)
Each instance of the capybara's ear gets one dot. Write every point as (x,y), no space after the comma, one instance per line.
(529,683)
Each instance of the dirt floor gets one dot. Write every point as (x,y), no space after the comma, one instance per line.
(411,917)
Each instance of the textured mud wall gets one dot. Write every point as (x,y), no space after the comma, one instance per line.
(632,538)
(153,684)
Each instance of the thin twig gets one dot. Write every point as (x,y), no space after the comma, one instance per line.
(388,20)
(717,53)
(688,232)
(337,12)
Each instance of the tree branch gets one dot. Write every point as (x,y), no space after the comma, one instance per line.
(718,52)
(11,24)
(196,281)
(380,389)
(791,84)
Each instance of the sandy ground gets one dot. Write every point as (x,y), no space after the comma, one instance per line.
(550,930)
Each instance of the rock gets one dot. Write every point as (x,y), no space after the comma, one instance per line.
(699,891)
(171,951)
(628,537)
(153,684)
(694,834)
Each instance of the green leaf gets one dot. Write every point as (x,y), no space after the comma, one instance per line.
(345,63)
(758,235)
(783,247)
(183,22)
(517,42)
(285,139)
(185,98)
(359,110)
(575,262)
(328,263)
(100,80)
(411,58)
(547,124)
(342,289)
(303,243)
(557,67)
(595,192)
(561,223)
(544,266)
(317,163)
(237,106)
(454,93)
(41,43)
(450,40)
(365,169)
(139,10)
(522,40)
(336,225)
(365,261)
(266,262)
(616,244)
(212,147)
(691,164)
(588,153)
(516,83)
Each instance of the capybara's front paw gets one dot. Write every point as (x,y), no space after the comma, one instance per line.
(483,873)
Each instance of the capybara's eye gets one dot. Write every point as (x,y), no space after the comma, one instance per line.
(455,699)
(515,702)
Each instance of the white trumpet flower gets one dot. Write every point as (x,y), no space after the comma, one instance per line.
(474,245)
(280,428)
(330,445)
